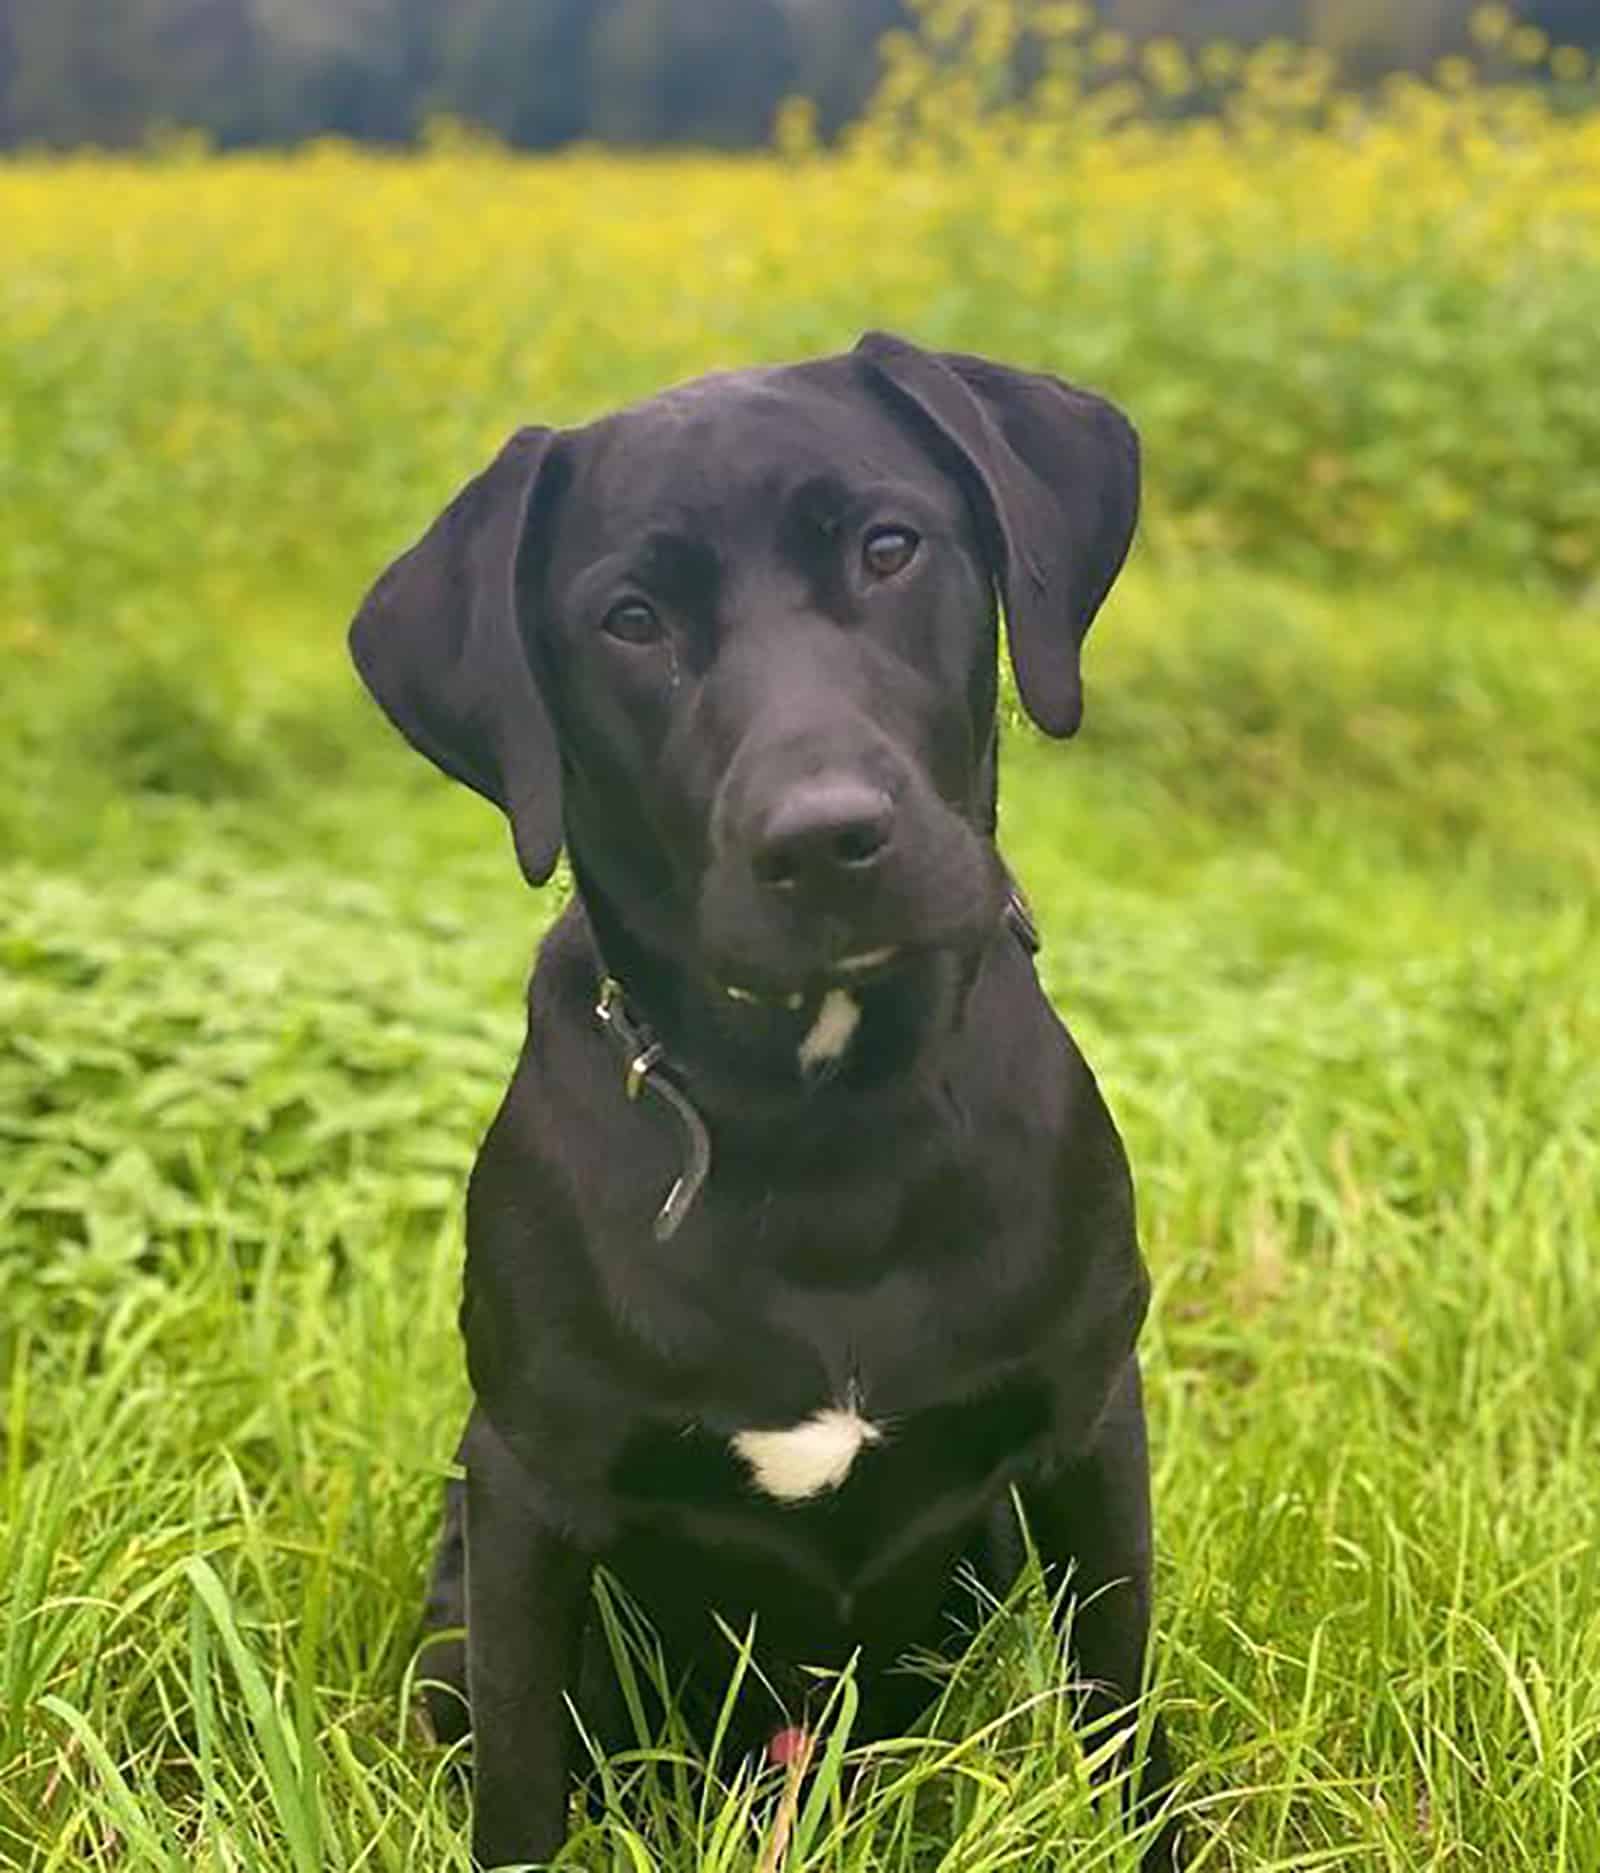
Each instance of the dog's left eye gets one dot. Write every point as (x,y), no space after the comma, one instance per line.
(633,621)
(888,550)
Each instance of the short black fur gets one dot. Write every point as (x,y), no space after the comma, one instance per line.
(667,641)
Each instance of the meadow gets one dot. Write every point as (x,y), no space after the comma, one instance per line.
(1318,884)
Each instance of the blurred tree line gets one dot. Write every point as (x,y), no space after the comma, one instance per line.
(540,73)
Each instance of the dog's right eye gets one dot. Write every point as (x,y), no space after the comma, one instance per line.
(633,621)
(888,550)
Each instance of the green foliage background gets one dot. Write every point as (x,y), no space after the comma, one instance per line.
(1318,883)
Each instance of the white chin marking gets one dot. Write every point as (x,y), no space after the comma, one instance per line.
(808,1458)
(830,1033)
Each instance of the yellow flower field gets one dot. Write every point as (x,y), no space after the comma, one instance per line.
(1355,335)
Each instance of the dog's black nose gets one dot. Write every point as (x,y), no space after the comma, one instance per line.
(823,834)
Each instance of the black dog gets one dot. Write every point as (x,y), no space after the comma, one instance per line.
(737,648)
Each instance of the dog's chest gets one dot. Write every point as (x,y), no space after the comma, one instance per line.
(845,1411)
(852,1472)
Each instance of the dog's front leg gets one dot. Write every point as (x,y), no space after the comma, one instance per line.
(1091,1522)
(527,1594)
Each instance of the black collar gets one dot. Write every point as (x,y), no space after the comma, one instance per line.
(645,1055)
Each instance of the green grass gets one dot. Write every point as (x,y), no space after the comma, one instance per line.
(1318,884)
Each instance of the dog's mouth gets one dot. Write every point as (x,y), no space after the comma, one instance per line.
(866,963)
(856,971)
(864,1006)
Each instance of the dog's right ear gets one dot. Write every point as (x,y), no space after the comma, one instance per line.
(438,643)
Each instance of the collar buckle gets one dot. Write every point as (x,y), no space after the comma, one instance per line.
(640,1067)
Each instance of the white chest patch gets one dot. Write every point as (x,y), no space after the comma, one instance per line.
(807,1458)
(829,1035)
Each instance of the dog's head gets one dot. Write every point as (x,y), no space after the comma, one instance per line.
(737,646)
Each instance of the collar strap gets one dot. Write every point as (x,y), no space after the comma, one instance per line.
(1020,920)
(645,1055)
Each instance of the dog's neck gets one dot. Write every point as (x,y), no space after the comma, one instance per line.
(771,1060)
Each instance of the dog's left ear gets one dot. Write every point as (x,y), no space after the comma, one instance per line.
(1053,476)
(439,643)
